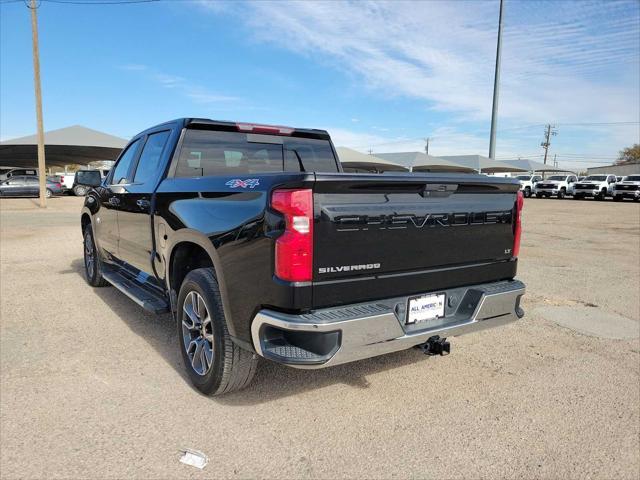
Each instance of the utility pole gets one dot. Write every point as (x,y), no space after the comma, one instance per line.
(548,132)
(370,152)
(42,175)
(555,162)
(496,89)
(426,147)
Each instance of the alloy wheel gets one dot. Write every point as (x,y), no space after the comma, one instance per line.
(197,333)
(89,259)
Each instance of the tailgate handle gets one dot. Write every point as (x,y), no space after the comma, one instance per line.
(438,189)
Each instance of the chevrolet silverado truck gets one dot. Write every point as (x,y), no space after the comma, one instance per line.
(528,183)
(558,186)
(259,245)
(629,187)
(597,186)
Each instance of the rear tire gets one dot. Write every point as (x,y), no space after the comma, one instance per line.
(214,363)
(79,190)
(49,193)
(92,262)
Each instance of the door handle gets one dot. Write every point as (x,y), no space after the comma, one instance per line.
(114,201)
(143,204)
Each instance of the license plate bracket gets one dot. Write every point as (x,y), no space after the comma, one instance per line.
(423,308)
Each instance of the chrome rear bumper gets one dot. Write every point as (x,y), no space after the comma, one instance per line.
(333,336)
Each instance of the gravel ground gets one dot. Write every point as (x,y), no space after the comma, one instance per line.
(92,386)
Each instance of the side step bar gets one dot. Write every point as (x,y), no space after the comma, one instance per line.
(143,296)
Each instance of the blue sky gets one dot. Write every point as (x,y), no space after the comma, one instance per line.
(377,75)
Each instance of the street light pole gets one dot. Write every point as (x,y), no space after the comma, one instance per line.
(496,88)
(42,175)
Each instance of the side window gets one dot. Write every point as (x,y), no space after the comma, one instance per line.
(122,168)
(31,180)
(150,158)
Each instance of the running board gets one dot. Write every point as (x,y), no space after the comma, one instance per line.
(147,299)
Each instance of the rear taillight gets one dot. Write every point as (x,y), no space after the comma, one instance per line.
(517,227)
(59,185)
(294,248)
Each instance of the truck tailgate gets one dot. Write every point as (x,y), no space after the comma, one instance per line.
(409,233)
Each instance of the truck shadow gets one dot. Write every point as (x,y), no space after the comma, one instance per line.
(271,382)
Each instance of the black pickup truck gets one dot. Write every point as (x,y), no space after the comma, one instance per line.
(259,245)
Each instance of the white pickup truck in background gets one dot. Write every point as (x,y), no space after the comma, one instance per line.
(596,186)
(528,183)
(556,186)
(629,187)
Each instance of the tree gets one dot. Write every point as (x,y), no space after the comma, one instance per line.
(629,155)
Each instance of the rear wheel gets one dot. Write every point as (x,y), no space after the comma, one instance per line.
(92,263)
(214,363)
(79,190)
(49,193)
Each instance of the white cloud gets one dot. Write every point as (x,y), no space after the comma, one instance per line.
(197,93)
(564,66)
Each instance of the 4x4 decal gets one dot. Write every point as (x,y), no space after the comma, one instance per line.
(237,183)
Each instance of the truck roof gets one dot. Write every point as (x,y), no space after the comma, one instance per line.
(249,127)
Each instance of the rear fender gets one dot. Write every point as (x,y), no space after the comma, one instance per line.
(174,238)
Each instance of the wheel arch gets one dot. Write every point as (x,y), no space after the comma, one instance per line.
(198,251)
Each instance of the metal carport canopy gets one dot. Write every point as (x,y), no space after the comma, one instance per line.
(353,159)
(421,162)
(483,164)
(533,166)
(65,146)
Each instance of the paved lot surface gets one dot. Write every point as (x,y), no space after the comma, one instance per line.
(91,386)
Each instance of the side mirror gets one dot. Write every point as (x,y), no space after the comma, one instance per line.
(88,178)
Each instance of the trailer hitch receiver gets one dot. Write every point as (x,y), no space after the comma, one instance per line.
(435,346)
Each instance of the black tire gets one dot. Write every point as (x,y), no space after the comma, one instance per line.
(93,275)
(617,198)
(538,195)
(527,192)
(79,190)
(602,195)
(231,368)
(561,194)
(49,193)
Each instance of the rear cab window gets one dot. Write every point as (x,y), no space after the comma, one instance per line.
(209,152)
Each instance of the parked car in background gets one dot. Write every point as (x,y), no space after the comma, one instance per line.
(556,186)
(19,172)
(629,187)
(528,183)
(27,186)
(596,186)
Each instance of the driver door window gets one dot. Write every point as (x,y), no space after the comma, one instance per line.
(121,171)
